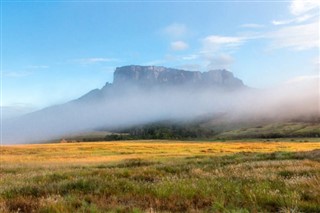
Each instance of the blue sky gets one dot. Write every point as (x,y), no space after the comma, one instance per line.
(55,51)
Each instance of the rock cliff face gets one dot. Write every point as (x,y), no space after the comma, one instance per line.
(161,76)
(146,78)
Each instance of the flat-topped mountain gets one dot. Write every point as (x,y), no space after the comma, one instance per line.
(144,78)
(160,76)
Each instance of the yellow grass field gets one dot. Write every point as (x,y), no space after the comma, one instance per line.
(157,176)
(93,152)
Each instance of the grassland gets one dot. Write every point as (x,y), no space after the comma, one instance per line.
(161,176)
(275,130)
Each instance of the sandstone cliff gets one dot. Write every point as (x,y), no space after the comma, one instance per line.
(161,76)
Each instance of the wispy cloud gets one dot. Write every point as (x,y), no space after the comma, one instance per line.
(297,37)
(299,7)
(179,45)
(213,54)
(302,10)
(190,57)
(215,39)
(298,19)
(15,74)
(215,43)
(25,72)
(175,30)
(300,32)
(303,78)
(303,31)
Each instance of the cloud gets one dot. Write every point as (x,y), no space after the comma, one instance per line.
(298,19)
(303,79)
(299,7)
(214,42)
(303,10)
(276,22)
(86,61)
(298,37)
(14,74)
(304,33)
(29,70)
(250,25)
(214,39)
(190,57)
(179,45)
(175,30)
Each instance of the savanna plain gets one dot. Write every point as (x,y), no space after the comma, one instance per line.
(162,176)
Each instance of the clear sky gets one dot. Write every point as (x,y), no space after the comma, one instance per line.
(55,51)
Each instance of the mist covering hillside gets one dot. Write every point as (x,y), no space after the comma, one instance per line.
(145,94)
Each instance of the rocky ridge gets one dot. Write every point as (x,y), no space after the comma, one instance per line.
(128,78)
(158,75)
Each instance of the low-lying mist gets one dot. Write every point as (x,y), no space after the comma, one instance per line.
(133,105)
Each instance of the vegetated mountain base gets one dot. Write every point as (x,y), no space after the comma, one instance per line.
(206,129)
(201,131)
(161,176)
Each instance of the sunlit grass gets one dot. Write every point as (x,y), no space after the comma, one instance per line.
(91,152)
(161,176)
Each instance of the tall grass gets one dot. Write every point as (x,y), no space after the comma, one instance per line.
(280,181)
